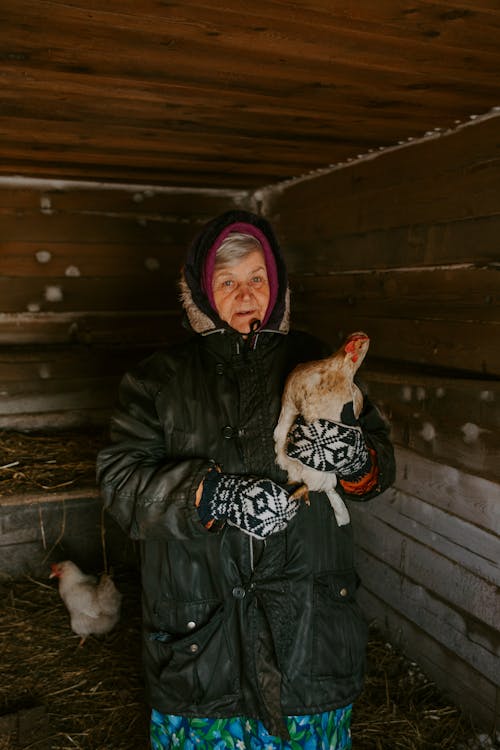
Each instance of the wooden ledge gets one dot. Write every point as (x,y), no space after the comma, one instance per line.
(34,498)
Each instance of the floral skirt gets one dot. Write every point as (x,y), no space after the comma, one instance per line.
(327,731)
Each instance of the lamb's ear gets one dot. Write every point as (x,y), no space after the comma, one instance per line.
(347,416)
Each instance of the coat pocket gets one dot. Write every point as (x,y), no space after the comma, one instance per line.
(339,629)
(196,661)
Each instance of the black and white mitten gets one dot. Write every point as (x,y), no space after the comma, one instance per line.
(330,446)
(259,507)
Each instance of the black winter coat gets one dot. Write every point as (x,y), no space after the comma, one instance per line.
(233,626)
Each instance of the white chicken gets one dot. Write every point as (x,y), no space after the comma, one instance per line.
(320,390)
(93,605)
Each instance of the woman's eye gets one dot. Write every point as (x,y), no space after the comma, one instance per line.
(227,282)
(257,279)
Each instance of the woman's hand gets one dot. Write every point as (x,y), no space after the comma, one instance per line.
(330,446)
(259,507)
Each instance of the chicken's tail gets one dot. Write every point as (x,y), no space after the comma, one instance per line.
(108,596)
(285,421)
(339,508)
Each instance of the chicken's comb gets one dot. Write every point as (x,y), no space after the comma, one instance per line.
(350,347)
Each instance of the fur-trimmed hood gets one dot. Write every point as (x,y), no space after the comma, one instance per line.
(202,318)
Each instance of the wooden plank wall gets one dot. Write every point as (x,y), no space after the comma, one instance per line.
(406,246)
(88,285)
(38,529)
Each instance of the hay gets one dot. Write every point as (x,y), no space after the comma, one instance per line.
(401,709)
(31,462)
(93,696)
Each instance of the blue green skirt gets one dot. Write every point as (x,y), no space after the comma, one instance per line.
(327,731)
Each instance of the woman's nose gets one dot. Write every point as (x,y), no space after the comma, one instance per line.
(244,290)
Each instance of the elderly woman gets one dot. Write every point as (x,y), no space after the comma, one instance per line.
(252,636)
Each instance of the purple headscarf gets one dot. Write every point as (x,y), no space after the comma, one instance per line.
(272,272)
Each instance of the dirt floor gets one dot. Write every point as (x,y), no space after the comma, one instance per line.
(54,694)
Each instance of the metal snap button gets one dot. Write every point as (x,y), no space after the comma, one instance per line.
(219,368)
(343,592)
(239,592)
(191,625)
(193,648)
(227,432)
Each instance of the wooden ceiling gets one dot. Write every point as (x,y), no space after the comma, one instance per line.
(237,93)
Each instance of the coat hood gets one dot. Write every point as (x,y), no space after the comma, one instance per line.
(200,313)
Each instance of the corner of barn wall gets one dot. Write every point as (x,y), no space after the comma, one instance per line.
(404,245)
(88,283)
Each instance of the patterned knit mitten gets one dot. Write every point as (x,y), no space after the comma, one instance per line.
(330,446)
(259,507)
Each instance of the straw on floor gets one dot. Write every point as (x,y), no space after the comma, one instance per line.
(92,697)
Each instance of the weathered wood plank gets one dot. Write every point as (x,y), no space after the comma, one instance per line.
(55,163)
(96,229)
(474,643)
(469,497)
(75,293)
(40,367)
(188,206)
(68,526)
(448,399)
(470,241)
(454,422)
(147,115)
(471,447)
(480,456)
(121,156)
(197,20)
(311,78)
(405,187)
(59,395)
(471,547)
(460,345)
(440,293)
(193,41)
(135,329)
(35,498)
(86,260)
(465,685)
(145,105)
(61,386)
(428,567)
(52,421)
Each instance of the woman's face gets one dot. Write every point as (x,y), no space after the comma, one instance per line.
(241,291)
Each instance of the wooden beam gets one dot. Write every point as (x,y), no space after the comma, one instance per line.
(462,494)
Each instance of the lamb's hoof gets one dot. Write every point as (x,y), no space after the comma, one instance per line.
(301,493)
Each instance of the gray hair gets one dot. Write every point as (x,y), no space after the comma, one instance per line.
(236,246)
